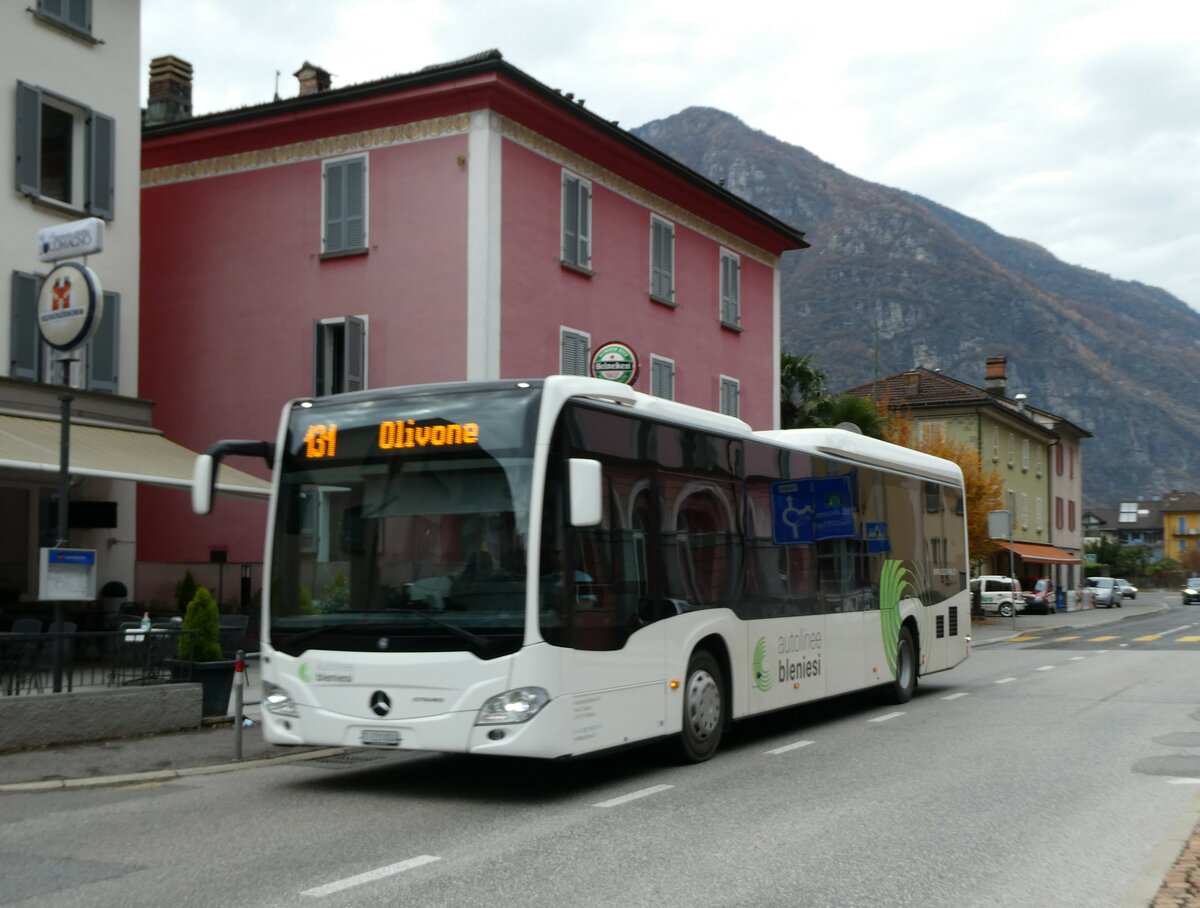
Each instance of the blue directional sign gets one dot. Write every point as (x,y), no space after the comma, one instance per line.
(805,510)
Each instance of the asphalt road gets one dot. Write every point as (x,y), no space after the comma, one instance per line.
(1041,772)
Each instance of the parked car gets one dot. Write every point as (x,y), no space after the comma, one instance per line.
(1106,591)
(997,595)
(1041,598)
(1128,590)
(1191,591)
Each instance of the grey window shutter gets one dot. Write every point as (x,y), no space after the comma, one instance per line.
(335,208)
(355,359)
(662,264)
(356,196)
(585,219)
(29,139)
(574,354)
(101,164)
(104,348)
(320,387)
(570,238)
(79,14)
(24,338)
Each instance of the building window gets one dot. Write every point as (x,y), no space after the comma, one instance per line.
(1010,449)
(65,152)
(662,260)
(94,365)
(576,222)
(339,355)
(344,206)
(1071,460)
(730,396)
(1181,525)
(1039,515)
(1181,544)
(995,444)
(1025,455)
(662,377)
(731,289)
(1058,458)
(932,430)
(74,14)
(1071,515)
(1058,512)
(574,352)
(1024,510)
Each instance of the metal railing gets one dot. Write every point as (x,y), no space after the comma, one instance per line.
(37,663)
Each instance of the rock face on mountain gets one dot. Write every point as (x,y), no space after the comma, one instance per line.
(894,281)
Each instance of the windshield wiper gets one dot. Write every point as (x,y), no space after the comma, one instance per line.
(481,646)
(323,628)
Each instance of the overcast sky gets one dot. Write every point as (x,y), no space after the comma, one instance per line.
(1071,123)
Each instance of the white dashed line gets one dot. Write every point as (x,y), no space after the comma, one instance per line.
(1046,668)
(1005,680)
(795,746)
(1078,658)
(961,693)
(1185,781)
(371,875)
(633,796)
(885,718)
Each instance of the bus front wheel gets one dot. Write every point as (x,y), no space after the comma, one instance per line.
(906,668)
(703,708)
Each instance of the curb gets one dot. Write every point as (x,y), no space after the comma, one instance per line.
(158,775)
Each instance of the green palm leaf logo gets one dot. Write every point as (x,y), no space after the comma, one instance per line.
(762,678)
(892,583)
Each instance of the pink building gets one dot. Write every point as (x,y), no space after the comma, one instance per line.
(461,222)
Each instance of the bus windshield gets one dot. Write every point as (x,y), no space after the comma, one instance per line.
(402,523)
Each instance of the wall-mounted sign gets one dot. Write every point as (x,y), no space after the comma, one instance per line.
(66,241)
(615,361)
(70,306)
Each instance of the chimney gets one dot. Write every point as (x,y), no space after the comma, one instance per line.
(312,79)
(912,383)
(996,375)
(170,96)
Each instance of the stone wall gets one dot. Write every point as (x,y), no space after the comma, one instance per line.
(36,721)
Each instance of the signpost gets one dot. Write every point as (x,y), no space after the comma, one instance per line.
(1000,527)
(70,306)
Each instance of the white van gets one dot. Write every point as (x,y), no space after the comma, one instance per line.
(994,594)
(1106,591)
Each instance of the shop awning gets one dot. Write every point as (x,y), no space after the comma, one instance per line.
(134,454)
(1042,554)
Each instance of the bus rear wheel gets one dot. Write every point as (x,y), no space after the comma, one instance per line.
(703,708)
(906,668)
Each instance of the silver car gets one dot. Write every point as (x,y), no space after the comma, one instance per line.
(1105,590)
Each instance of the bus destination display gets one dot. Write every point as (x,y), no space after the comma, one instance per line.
(320,439)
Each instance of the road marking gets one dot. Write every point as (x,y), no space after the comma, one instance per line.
(1046,668)
(794,746)
(1077,658)
(1005,680)
(1102,639)
(961,693)
(1176,630)
(1065,639)
(1100,652)
(1184,781)
(370,876)
(1187,640)
(1021,639)
(633,796)
(885,718)
(1148,638)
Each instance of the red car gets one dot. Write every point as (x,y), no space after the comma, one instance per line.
(1040,598)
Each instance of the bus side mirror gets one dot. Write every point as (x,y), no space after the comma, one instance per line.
(586,493)
(202,484)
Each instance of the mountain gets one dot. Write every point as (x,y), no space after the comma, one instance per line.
(900,280)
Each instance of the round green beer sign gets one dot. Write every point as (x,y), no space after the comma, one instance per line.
(615,361)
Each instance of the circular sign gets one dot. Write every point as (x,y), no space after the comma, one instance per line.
(70,305)
(615,361)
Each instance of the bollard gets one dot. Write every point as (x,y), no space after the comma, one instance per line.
(239,684)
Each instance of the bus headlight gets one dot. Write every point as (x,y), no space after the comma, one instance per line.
(513,706)
(276,700)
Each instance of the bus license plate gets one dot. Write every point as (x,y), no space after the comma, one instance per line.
(379,737)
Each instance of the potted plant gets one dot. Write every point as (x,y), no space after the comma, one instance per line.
(201,649)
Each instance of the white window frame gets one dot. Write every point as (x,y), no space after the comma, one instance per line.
(1025,455)
(1039,514)
(75,15)
(727,383)
(575,237)
(576,336)
(1010,449)
(729,288)
(662,274)
(995,444)
(659,364)
(932,428)
(1024,510)
(344,246)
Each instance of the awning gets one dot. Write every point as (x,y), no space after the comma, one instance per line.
(1042,554)
(134,454)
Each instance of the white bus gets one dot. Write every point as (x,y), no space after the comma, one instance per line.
(558,567)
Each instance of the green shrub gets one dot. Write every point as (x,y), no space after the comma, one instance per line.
(185,591)
(204,644)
